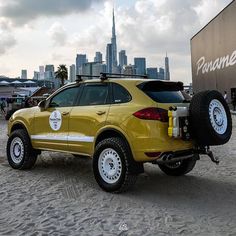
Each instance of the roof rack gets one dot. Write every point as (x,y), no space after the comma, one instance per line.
(79,77)
(114,75)
(104,76)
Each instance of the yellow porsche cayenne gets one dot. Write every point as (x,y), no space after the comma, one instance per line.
(121,123)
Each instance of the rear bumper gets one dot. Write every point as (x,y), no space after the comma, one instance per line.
(175,146)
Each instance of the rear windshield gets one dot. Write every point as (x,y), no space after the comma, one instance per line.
(165,92)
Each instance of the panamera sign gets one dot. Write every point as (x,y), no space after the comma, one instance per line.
(220,63)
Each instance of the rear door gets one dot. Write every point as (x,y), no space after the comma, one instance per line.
(88,117)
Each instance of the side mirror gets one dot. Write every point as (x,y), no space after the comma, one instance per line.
(42,104)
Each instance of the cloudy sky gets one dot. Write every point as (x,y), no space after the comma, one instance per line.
(39,32)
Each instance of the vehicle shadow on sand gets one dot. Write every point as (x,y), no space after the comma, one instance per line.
(204,193)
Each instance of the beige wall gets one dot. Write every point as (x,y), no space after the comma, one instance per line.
(215,43)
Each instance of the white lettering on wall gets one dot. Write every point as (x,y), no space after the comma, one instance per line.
(220,63)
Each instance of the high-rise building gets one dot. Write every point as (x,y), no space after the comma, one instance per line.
(161,74)
(80,60)
(72,73)
(98,57)
(49,72)
(109,57)
(122,58)
(23,74)
(111,51)
(36,75)
(113,42)
(129,70)
(152,73)
(140,65)
(41,72)
(167,68)
(98,68)
(93,69)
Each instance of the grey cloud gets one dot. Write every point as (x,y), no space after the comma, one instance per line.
(7,41)
(23,11)
(58,34)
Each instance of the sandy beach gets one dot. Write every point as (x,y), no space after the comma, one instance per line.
(61,197)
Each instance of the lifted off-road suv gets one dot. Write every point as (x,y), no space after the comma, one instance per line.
(122,123)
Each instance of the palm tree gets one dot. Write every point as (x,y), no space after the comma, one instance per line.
(62,73)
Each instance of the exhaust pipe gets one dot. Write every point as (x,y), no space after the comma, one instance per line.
(170,158)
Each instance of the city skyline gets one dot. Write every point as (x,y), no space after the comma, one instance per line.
(33,37)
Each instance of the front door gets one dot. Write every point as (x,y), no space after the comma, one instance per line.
(51,124)
(88,117)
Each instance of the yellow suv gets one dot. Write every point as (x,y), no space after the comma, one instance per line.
(121,123)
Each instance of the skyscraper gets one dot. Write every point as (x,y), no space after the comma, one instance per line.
(161,74)
(140,65)
(113,42)
(23,74)
(152,73)
(72,73)
(98,57)
(109,57)
(41,72)
(167,69)
(122,58)
(80,60)
(49,72)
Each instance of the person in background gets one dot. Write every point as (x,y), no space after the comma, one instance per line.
(226,97)
(2,107)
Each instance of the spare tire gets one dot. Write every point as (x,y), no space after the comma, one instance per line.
(210,118)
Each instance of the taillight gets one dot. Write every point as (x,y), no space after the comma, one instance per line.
(152,113)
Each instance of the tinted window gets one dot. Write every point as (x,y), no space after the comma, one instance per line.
(66,98)
(120,94)
(94,94)
(165,92)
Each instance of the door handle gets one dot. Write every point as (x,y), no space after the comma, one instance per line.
(65,113)
(101,113)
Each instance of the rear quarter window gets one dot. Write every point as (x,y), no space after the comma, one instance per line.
(165,92)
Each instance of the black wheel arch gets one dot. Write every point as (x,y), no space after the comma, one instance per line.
(17,126)
(137,167)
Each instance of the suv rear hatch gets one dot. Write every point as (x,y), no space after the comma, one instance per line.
(172,105)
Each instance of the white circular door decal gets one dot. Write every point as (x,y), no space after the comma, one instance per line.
(55,120)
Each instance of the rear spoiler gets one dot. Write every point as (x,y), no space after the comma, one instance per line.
(159,85)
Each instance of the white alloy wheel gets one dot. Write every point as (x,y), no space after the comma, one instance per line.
(17,150)
(109,165)
(218,116)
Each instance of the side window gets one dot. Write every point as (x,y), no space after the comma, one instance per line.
(120,94)
(94,94)
(66,98)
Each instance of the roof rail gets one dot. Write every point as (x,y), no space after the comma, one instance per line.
(114,75)
(104,76)
(79,77)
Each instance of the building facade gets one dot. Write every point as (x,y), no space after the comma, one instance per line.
(72,73)
(98,57)
(152,73)
(161,74)
(140,65)
(23,74)
(122,59)
(213,54)
(167,68)
(80,60)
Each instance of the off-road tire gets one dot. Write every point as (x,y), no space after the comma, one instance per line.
(29,155)
(185,167)
(127,177)
(201,122)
